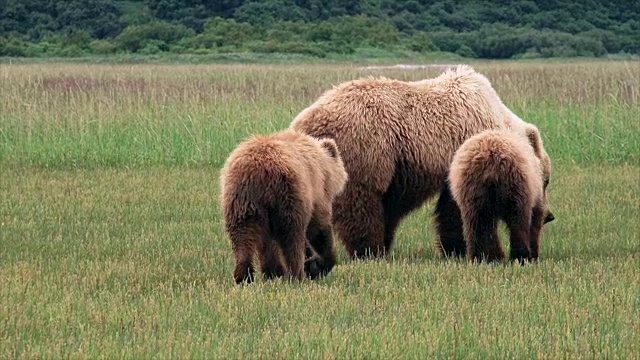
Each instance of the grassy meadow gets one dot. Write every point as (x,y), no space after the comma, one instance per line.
(111,243)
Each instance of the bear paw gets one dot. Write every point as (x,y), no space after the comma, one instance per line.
(313,268)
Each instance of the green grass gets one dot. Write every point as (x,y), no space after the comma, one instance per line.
(360,55)
(111,242)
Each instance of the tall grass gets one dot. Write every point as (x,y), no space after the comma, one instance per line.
(67,116)
(111,244)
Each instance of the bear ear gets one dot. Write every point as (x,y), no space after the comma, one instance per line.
(329,145)
(534,139)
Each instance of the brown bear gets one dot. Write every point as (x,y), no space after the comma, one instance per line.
(397,140)
(276,194)
(501,175)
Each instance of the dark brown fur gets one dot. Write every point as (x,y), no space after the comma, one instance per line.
(277,192)
(448,224)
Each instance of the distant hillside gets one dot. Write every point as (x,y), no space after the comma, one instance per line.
(484,29)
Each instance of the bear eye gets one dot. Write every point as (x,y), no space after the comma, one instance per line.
(546,183)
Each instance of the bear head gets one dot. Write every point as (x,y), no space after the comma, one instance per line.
(535,140)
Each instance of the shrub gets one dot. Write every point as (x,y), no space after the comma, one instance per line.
(71,51)
(447,41)
(421,42)
(358,30)
(12,47)
(336,47)
(134,37)
(227,31)
(102,47)
(43,48)
(152,47)
(466,51)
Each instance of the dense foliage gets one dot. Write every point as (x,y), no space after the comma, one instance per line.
(473,28)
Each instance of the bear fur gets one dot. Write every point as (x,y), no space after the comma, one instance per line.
(500,175)
(276,195)
(397,140)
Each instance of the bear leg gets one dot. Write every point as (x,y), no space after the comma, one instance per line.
(270,262)
(245,239)
(480,230)
(393,214)
(244,270)
(519,224)
(293,249)
(407,191)
(243,244)
(359,221)
(312,263)
(537,221)
(483,242)
(519,236)
(322,255)
(448,223)
(391,222)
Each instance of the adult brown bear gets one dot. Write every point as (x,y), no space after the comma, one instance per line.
(276,192)
(397,140)
(500,175)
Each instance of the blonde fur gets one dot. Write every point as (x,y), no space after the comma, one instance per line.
(397,140)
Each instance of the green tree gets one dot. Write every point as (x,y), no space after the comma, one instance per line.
(98,17)
(135,37)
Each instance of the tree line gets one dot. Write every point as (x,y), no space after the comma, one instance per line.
(496,29)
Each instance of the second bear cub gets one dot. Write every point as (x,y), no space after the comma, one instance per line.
(501,175)
(276,194)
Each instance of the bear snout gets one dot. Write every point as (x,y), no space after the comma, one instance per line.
(549,218)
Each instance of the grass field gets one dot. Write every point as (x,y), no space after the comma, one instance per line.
(111,242)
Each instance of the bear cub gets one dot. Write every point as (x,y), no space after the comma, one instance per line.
(501,175)
(276,194)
